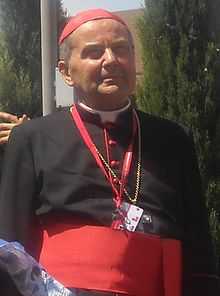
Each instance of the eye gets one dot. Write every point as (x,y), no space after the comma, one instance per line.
(93,53)
(121,49)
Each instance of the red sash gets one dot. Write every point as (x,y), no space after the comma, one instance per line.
(101,258)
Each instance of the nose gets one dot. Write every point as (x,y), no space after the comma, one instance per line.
(109,57)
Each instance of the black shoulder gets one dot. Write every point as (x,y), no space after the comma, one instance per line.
(162,126)
(51,123)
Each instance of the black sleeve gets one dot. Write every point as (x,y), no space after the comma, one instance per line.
(16,193)
(200,268)
(1,158)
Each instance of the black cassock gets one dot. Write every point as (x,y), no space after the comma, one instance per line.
(1,158)
(48,169)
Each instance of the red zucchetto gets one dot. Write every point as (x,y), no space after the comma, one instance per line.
(86,16)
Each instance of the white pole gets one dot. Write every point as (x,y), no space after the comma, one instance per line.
(48,53)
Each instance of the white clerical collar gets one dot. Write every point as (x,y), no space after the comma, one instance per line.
(106,116)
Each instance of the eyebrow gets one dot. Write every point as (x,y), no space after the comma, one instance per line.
(97,43)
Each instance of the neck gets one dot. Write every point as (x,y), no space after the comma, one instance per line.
(110,106)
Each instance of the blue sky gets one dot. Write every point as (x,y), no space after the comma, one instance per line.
(74,6)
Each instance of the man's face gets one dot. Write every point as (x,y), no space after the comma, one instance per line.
(102,63)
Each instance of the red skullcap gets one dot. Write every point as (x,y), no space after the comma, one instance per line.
(86,16)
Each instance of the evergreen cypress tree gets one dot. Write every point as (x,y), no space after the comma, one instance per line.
(15,86)
(20,24)
(20,40)
(181,69)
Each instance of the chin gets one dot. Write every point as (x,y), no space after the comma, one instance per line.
(114,91)
(114,101)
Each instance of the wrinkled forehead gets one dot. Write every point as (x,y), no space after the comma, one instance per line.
(102,29)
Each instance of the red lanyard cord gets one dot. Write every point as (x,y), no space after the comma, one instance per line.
(99,160)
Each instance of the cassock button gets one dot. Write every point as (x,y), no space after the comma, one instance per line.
(109,125)
(112,142)
(114,163)
(115,181)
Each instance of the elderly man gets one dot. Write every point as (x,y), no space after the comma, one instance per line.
(106,197)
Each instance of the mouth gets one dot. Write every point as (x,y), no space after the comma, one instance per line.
(109,78)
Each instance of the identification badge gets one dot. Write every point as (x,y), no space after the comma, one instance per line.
(127,217)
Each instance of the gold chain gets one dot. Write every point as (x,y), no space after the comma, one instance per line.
(138,177)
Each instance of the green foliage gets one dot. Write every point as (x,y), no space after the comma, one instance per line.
(15,87)
(20,86)
(20,24)
(181,62)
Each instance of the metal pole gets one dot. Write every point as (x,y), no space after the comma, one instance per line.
(48,53)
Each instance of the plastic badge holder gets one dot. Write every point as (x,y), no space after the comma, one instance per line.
(29,277)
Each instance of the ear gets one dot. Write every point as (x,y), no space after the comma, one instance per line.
(64,70)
